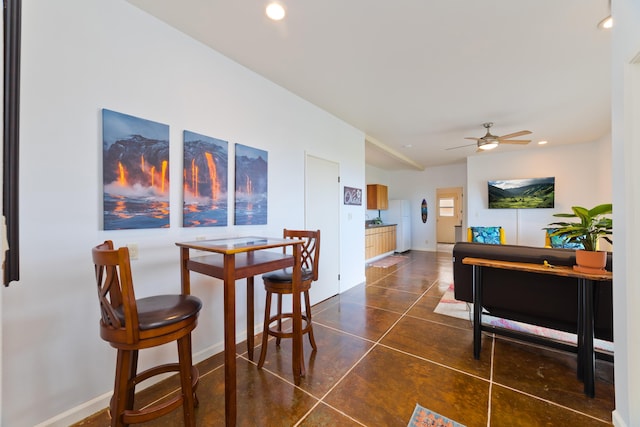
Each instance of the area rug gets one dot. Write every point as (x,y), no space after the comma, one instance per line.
(387,261)
(423,417)
(449,306)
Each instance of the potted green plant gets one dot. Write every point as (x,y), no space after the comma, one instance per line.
(593,224)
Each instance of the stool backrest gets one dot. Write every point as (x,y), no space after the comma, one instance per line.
(310,249)
(118,310)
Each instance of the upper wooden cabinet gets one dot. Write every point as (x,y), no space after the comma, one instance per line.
(377,197)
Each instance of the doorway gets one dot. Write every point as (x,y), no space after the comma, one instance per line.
(322,212)
(449,214)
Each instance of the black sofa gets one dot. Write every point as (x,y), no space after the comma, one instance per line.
(543,300)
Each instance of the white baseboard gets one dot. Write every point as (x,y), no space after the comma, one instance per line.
(78,413)
(97,404)
(617,419)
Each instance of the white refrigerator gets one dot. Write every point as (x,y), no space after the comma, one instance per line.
(399,213)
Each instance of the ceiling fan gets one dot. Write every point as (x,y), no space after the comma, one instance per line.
(489,142)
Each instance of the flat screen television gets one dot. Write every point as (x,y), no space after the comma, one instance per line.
(530,193)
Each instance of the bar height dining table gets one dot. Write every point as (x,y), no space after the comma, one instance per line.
(236,258)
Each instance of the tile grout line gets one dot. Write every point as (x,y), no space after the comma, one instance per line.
(492,382)
(375,344)
(442,365)
(493,359)
(552,403)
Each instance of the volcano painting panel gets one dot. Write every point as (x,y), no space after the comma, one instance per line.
(206,163)
(135,170)
(522,193)
(250,186)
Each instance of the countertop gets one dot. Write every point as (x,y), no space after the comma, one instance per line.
(377,225)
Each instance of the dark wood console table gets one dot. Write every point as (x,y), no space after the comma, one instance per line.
(239,258)
(586,281)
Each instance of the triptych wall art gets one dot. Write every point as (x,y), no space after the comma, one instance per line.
(205,180)
(136,177)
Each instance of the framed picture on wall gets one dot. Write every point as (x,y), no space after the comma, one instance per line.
(135,171)
(251,186)
(206,164)
(352,196)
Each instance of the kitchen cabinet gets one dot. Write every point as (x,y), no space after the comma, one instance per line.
(377,197)
(379,240)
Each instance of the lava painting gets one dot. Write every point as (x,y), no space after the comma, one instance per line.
(250,186)
(205,180)
(135,170)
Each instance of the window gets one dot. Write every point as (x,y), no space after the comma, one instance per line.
(446,206)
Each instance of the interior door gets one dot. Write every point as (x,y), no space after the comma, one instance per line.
(448,214)
(322,212)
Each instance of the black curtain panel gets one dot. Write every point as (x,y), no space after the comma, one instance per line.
(11,133)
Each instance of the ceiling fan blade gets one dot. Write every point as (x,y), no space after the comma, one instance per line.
(513,135)
(460,146)
(475,139)
(515,141)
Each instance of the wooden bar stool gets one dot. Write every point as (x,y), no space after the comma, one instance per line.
(280,283)
(130,325)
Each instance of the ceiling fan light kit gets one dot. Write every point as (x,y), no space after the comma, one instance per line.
(487,145)
(489,141)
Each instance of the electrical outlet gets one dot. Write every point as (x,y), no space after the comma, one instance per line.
(133,250)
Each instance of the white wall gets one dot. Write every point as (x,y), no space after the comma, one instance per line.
(582,177)
(416,186)
(625,80)
(575,185)
(80,56)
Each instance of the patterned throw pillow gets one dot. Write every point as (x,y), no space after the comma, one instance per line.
(561,242)
(489,235)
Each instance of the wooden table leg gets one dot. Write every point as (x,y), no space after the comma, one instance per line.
(185,281)
(477,311)
(297,317)
(229,340)
(250,322)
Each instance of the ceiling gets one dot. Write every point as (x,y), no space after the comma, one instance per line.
(418,76)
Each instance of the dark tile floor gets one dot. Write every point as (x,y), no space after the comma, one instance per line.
(382,349)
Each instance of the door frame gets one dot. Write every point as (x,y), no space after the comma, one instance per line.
(458,210)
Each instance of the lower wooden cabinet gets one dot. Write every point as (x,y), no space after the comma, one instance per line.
(379,240)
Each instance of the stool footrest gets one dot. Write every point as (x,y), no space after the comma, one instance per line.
(131,416)
(281,333)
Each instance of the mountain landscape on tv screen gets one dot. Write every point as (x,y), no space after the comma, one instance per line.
(522,193)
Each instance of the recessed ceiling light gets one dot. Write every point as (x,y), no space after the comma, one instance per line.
(275,11)
(542,142)
(606,23)
(408,145)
